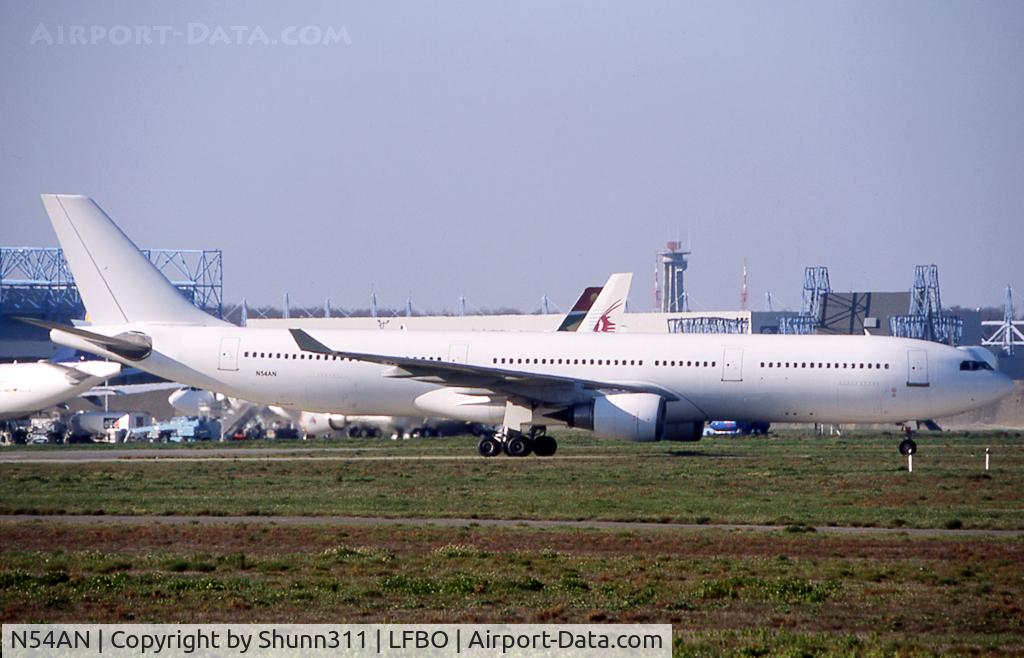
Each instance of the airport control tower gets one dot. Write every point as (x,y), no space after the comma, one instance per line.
(673,263)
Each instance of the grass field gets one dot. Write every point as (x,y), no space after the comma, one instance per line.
(860,481)
(786,592)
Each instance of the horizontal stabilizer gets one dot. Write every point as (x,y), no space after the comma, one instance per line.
(130,345)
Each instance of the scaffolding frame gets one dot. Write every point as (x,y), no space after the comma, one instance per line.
(197,273)
(37,281)
(926,319)
(816,287)
(1007,335)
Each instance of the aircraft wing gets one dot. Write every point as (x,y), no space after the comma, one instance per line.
(130,389)
(541,387)
(78,372)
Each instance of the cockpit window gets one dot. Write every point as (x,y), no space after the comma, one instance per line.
(974,365)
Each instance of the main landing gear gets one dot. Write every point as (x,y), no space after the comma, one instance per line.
(518,444)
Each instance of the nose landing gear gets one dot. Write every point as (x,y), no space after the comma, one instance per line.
(907,445)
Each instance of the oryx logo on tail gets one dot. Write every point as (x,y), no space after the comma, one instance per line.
(604,322)
(608,311)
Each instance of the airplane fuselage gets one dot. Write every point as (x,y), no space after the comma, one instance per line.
(29,387)
(825,379)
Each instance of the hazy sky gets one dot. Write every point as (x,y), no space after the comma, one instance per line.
(504,150)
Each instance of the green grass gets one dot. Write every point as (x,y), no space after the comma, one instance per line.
(790,480)
(725,593)
(790,592)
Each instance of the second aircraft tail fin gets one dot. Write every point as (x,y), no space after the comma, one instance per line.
(579,310)
(606,315)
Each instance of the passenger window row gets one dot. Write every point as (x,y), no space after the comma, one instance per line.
(565,362)
(821,365)
(299,356)
(825,365)
(687,364)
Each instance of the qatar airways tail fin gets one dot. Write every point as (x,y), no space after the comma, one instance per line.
(117,283)
(608,311)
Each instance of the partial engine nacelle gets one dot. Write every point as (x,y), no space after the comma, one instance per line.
(315,423)
(194,401)
(623,416)
(461,404)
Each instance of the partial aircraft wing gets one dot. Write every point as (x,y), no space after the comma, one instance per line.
(79,371)
(130,389)
(544,388)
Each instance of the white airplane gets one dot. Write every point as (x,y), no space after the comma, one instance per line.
(638,387)
(26,388)
(598,308)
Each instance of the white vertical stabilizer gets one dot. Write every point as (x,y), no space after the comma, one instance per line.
(117,283)
(609,309)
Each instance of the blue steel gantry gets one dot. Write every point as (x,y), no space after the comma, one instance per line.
(816,287)
(926,319)
(1007,335)
(37,282)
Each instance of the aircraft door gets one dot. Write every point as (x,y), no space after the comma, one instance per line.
(458,353)
(732,364)
(917,368)
(228,354)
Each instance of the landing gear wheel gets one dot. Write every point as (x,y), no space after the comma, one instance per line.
(908,447)
(544,446)
(518,446)
(488,447)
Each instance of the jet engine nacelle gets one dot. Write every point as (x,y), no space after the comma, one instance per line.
(623,416)
(314,423)
(461,404)
(193,401)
